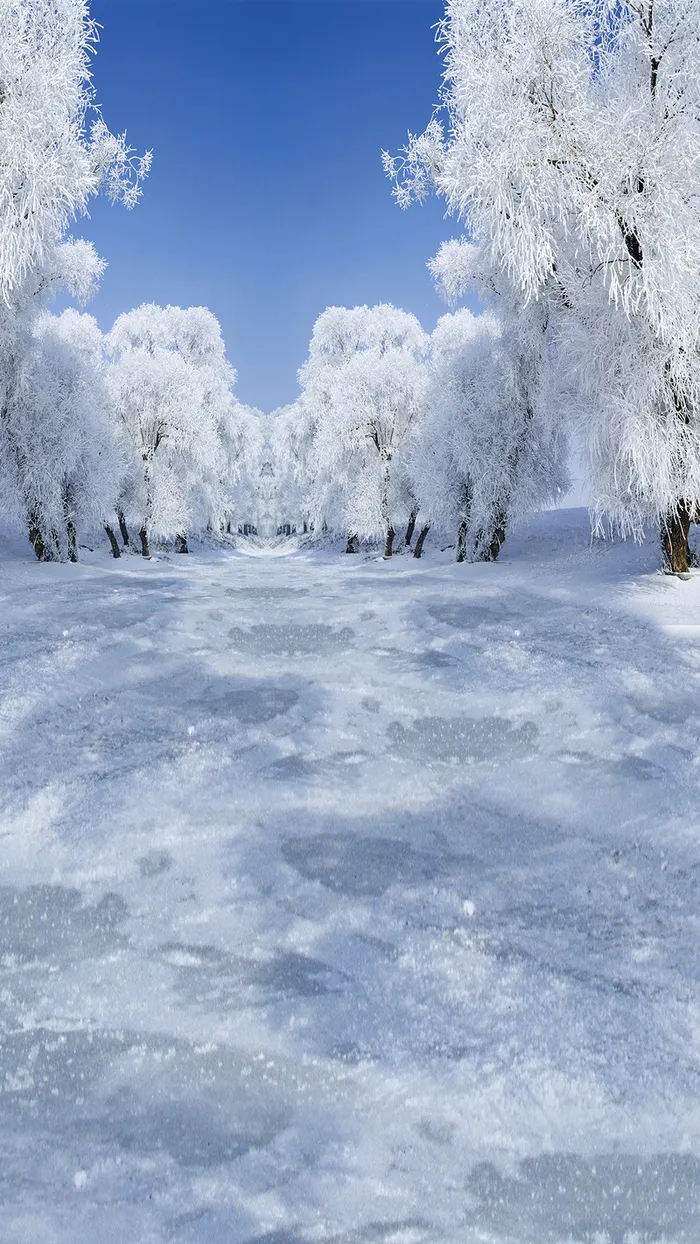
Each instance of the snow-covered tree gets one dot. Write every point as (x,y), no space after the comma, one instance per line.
(573,158)
(243,440)
(488,449)
(55,154)
(324,464)
(363,386)
(60,436)
(56,150)
(172,389)
(290,441)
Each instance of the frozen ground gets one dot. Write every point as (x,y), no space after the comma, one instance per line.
(349,901)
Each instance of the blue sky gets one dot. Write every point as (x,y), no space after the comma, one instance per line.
(267,200)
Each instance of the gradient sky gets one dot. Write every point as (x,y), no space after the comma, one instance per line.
(267,201)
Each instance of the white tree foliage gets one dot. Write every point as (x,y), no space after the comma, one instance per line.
(55,153)
(171,386)
(363,388)
(53,158)
(573,158)
(68,459)
(243,439)
(488,450)
(290,444)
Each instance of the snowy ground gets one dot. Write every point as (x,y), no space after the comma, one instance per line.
(350,901)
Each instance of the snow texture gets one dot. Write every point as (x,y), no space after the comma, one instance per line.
(349,900)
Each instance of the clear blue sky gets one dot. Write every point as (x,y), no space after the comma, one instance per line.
(267,201)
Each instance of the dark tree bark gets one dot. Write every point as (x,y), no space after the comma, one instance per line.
(47,548)
(466,509)
(68,512)
(411,527)
(353,544)
(489,539)
(489,544)
(145,549)
(116,551)
(389,546)
(421,541)
(181,544)
(123,528)
(675,530)
(36,539)
(72,540)
(462,540)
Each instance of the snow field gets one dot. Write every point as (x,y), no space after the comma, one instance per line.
(352,901)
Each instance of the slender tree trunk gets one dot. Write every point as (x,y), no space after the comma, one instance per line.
(489,539)
(384,503)
(148,514)
(47,548)
(36,539)
(72,540)
(489,546)
(116,552)
(463,532)
(68,510)
(181,544)
(418,550)
(353,544)
(411,527)
(497,540)
(123,528)
(462,540)
(675,530)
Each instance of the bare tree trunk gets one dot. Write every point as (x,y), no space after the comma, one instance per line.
(123,528)
(462,540)
(47,548)
(181,544)
(72,540)
(36,539)
(353,544)
(463,532)
(421,541)
(148,515)
(490,539)
(675,530)
(497,540)
(411,527)
(68,511)
(489,546)
(116,552)
(384,502)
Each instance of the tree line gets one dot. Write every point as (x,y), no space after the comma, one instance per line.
(566,144)
(397,431)
(138,430)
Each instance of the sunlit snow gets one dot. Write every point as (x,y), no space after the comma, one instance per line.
(349,900)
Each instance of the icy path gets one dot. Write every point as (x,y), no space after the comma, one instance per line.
(350,901)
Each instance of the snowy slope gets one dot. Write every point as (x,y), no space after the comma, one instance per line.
(352,901)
